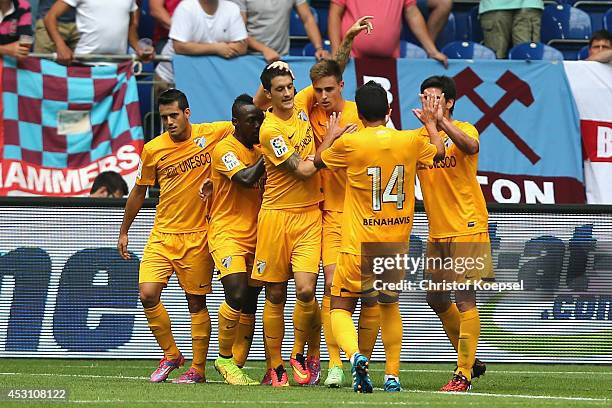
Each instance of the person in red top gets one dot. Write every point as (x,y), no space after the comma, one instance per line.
(384,42)
(162,11)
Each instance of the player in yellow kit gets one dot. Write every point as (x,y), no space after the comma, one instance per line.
(179,160)
(289,225)
(237,166)
(458,228)
(380,165)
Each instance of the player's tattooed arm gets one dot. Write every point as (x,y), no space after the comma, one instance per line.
(250,175)
(302,169)
(344,51)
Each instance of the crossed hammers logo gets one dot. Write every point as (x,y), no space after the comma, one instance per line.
(516,90)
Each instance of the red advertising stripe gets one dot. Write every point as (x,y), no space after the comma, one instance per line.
(597,140)
(527,189)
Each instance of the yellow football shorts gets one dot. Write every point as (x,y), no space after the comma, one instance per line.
(185,254)
(332,236)
(288,240)
(461,259)
(230,260)
(349,279)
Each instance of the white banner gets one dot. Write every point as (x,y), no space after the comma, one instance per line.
(591,84)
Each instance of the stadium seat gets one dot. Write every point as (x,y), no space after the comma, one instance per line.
(296,28)
(583,53)
(410,50)
(596,9)
(535,51)
(473,26)
(447,34)
(607,20)
(309,49)
(562,23)
(467,50)
(323,14)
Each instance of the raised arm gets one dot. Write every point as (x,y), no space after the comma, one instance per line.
(250,175)
(132,207)
(344,51)
(428,115)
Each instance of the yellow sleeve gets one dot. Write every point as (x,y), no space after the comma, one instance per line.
(226,161)
(335,156)
(275,145)
(220,130)
(305,99)
(425,151)
(146,169)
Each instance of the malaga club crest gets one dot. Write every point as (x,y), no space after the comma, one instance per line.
(200,141)
(261,266)
(226,262)
(302,115)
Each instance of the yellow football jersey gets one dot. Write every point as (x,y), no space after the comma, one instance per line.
(452,195)
(332,182)
(180,168)
(380,167)
(233,216)
(279,140)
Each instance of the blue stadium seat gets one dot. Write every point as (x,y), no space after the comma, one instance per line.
(535,51)
(309,49)
(583,53)
(448,33)
(146,22)
(323,14)
(596,9)
(410,50)
(296,28)
(467,50)
(607,20)
(473,26)
(561,23)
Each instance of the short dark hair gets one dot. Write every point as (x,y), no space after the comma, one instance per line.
(372,103)
(239,102)
(172,95)
(268,75)
(111,180)
(325,68)
(600,35)
(443,83)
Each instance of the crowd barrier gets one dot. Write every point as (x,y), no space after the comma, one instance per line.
(65,292)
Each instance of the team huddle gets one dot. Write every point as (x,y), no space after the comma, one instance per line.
(299,180)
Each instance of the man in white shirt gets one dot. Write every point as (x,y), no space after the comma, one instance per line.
(105,27)
(204,27)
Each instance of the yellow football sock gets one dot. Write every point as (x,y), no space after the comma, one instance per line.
(303,314)
(391,332)
(468,342)
(244,338)
(314,338)
(369,323)
(200,339)
(274,330)
(344,331)
(451,321)
(330,340)
(161,327)
(267,353)
(228,327)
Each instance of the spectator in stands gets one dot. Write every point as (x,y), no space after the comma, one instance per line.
(16,21)
(203,27)
(438,15)
(268,23)
(162,11)
(384,40)
(105,27)
(66,26)
(507,23)
(600,47)
(109,184)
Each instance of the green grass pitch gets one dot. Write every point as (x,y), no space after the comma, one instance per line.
(110,383)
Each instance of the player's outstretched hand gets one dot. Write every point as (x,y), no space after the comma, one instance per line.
(429,111)
(363,24)
(282,65)
(122,246)
(206,189)
(440,110)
